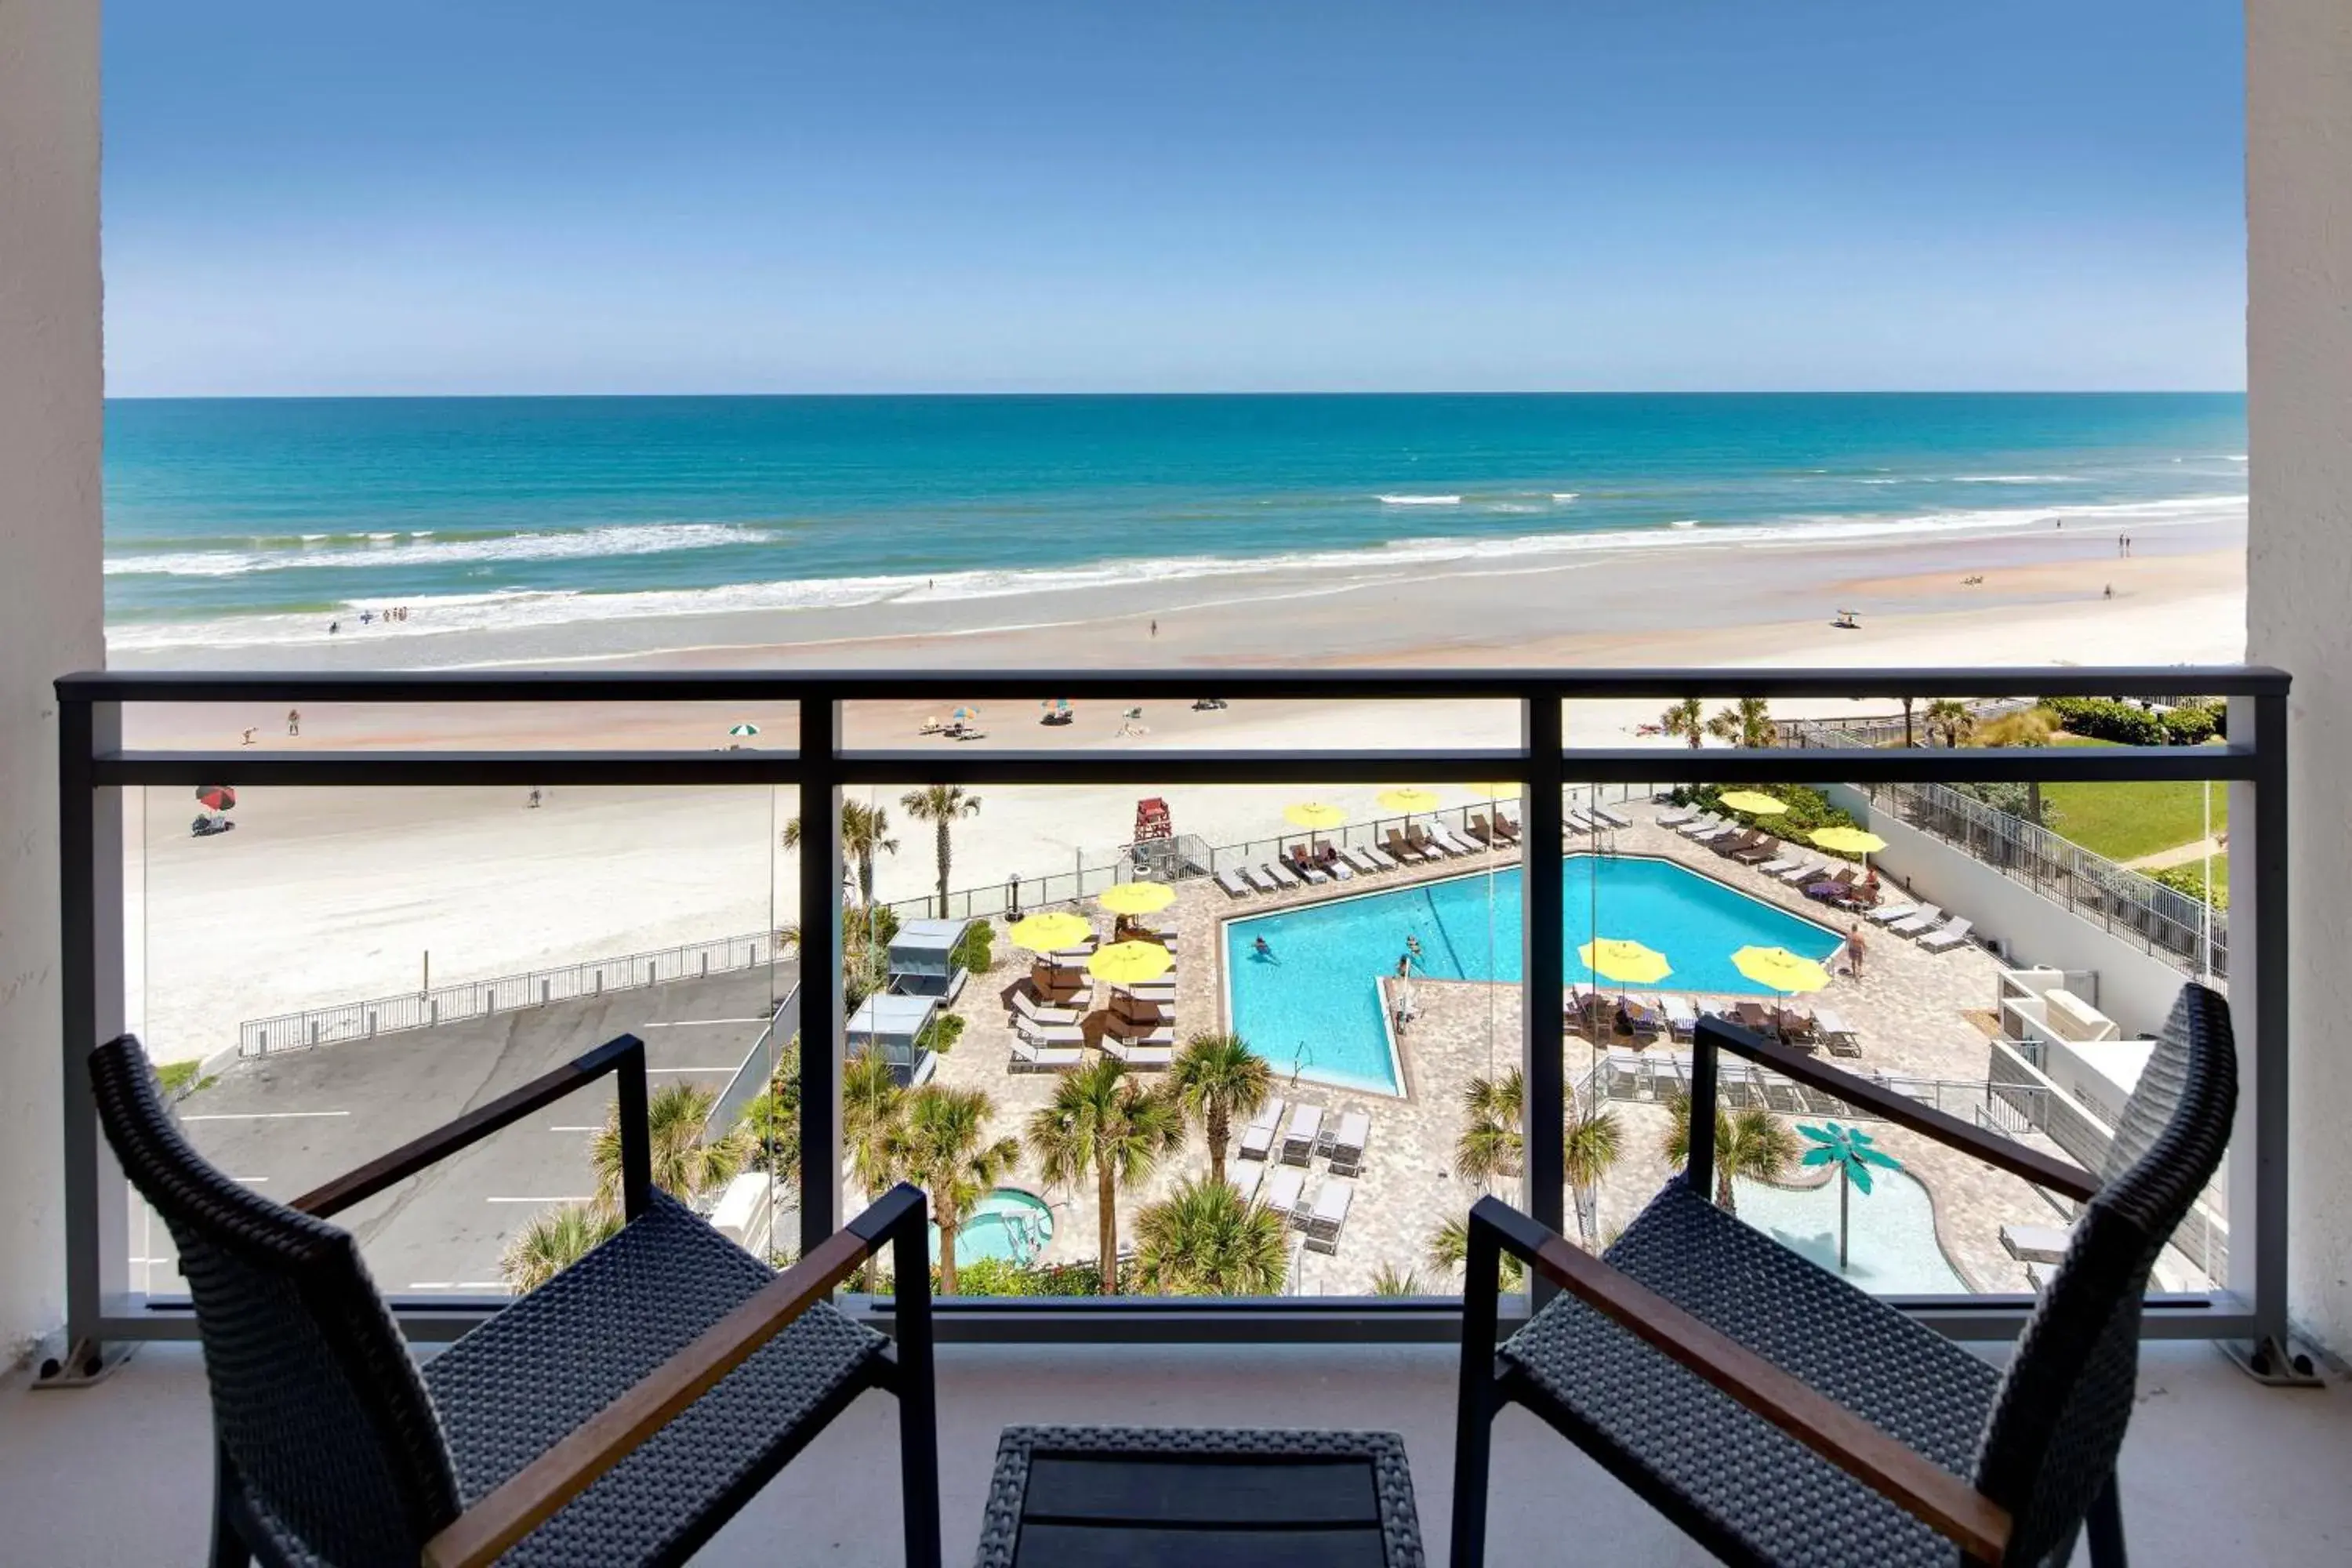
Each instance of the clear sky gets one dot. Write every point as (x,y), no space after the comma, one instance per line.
(857,195)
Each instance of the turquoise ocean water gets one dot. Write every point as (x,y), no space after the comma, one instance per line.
(258,521)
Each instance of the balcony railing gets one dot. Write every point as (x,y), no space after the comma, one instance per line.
(106,1302)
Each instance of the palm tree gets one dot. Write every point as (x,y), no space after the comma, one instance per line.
(792,833)
(940,804)
(1102,1121)
(772,1120)
(1949,716)
(1753,1143)
(1595,1142)
(1493,1143)
(1386,1281)
(1747,723)
(684,1165)
(1204,1239)
(553,1241)
(871,1102)
(1217,1077)
(941,1142)
(1686,718)
(1449,1249)
(2026,727)
(864,833)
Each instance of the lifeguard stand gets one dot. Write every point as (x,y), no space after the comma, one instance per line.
(1153,850)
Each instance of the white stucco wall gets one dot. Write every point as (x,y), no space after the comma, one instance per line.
(2299,584)
(49,588)
(2135,990)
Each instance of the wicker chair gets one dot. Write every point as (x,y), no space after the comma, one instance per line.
(1780,1416)
(619,1414)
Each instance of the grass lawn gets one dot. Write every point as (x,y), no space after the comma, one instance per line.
(2125,821)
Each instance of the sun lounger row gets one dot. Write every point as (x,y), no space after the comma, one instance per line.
(1341,863)
(1281,1188)
(1304,1136)
(1676,1017)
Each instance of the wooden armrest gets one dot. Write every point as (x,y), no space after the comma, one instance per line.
(2004,1153)
(535,1493)
(388,1170)
(1953,1508)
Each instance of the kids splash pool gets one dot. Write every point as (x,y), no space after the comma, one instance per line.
(1008,1224)
(1310,1004)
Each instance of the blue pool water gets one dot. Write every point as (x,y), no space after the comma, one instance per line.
(1314,1006)
(1009,1225)
(1890,1233)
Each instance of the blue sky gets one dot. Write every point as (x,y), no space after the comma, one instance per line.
(853,196)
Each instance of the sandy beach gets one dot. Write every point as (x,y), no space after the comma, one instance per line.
(330,896)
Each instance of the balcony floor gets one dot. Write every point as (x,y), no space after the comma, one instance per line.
(2216,1470)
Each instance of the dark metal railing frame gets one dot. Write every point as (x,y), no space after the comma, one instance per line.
(93,768)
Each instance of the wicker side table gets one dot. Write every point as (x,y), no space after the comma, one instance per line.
(1079,1497)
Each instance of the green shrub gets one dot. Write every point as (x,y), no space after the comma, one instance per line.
(940,1035)
(973,951)
(1001,1277)
(2193,723)
(2190,879)
(2105,719)
(179,1079)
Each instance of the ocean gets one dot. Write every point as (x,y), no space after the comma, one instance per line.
(235,521)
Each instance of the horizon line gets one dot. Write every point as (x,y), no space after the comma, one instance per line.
(1135,393)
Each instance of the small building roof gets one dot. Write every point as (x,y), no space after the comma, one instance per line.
(926,936)
(889,1016)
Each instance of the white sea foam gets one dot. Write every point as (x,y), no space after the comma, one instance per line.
(383,549)
(1564,496)
(1420,501)
(1685,522)
(2014,479)
(1330,570)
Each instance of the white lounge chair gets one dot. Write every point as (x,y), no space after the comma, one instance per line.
(1279,1191)
(1257,876)
(1774,868)
(1675,816)
(1345,1147)
(1357,858)
(1257,1138)
(1307,870)
(1044,1057)
(1247,1182)
(1948,938)
(1324,1221)
(1234,886)
(1887,914)
(1281,876)
(1455,841)
(1027,1006)
(1306,1130)
(1381,860)
(1152,1058)
(1928,917)
(1049,1034)
(1706,822)
(1577,822)
(1836,1033)
(1609,815)
(1681,1017)
(1810,872)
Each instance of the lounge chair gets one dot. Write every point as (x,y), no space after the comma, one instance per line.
(1834,887)
(1643,1017)
(1282,877)
(1479,828)
(1915,1449)
(1027,1006)
(1928,917)
(1381,858)
(1950,937)
(1324,1221)
(1345,1148)
(1305,1131)
(1299,865)
(2036,1243)
(1363,863)
(1258,1138)
(1157,1058)
(1804,875)
(1887,914)
(1405,854)
(1732,843)
(1836,1033)
(1038,1057)
(1246,1182)
(1454,843)
(1698,827)
(1256,875)
(1681,1017)
(1420,838)
(1675,816)
(1279,1190)
(1577,822)
(1234,886)
(1508,829)
(1609,815)
(1049,1034)
(1760,853)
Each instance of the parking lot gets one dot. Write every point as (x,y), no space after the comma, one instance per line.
(288,1122)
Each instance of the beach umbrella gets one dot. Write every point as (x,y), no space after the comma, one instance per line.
(1754,802)
(1622,959)
(1129,963)
(1049,931)
(215,797)
(1778,969)
(1849,840)
(1408,801)
(1313,815)
(1500,789)
(744,732)
(1137,898)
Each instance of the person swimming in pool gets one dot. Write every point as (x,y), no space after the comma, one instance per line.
(1412,944)
(1265,950)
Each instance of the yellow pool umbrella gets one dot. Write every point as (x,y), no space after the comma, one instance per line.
(1778,969)
(1755,803)
(1849,840)
(1314,815)
(1408,801)
(1499,789)
(1137,898)
(1623,959)
(1129,963)
(1049,931)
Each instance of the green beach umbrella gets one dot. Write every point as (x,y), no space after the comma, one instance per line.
(744,732)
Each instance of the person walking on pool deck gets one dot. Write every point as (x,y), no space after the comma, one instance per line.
(1854,948)
(293,720)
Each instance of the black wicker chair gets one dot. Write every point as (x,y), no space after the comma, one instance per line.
(619,1414)
(1780,1416)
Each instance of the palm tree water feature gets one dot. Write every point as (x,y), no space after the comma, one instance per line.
(1853,1151)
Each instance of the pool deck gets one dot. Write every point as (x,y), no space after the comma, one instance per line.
(1917,1014)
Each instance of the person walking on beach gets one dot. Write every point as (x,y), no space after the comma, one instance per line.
(249,736)
(1155,626)
(293,720)
(1854,949)
(533,803)
(334,627)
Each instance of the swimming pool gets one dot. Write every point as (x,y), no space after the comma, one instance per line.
(1313,1006)
(1891,1248)
(1009,1226)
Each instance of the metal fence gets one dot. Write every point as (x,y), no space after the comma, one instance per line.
(480,998)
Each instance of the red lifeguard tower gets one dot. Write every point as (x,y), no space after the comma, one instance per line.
(1151,820)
